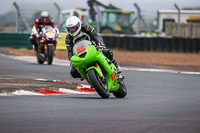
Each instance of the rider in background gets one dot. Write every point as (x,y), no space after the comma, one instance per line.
(75,31)
(44,20)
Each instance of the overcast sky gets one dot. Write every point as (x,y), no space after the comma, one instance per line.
(145,5)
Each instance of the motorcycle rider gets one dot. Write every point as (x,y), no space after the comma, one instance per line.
(37,28)
(75,31)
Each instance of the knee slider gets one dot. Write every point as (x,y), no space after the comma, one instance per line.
(108,53)
(74,73)
(32,39)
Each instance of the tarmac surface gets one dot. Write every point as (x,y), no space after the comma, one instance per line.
(157,102)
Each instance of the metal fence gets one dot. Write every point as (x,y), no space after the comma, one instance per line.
(26,14)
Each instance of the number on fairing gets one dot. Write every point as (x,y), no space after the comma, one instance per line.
(81,49)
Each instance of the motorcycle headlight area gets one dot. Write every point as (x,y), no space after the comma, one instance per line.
(50,35)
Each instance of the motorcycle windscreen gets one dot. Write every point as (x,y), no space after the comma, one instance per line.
(81,46)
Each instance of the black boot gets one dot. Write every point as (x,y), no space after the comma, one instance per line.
(119,69)
(109,54)
(35,48)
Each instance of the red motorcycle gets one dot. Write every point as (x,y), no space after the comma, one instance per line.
(47,45)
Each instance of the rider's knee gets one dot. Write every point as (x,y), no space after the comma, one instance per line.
(32,39)
(108,53)
(74,73)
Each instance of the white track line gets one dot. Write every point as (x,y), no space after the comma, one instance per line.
(159,70)
(84,86)
(22,92)
(70,91)
(59,62)
(25,92)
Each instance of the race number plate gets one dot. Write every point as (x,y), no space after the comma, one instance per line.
(81,49)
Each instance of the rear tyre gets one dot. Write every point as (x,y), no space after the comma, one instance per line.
(98,84)
(50,55)
(121,93)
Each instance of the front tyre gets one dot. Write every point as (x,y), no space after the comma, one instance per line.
(98,84)
(50,55)
(121,93)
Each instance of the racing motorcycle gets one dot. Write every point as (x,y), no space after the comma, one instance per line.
(47,45)
(97,70)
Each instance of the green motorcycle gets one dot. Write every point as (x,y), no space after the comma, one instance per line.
(98,70)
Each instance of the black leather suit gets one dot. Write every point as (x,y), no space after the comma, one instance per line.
(88,30)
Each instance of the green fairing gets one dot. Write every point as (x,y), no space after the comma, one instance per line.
(92,56)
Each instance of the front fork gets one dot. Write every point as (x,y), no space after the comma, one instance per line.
(111,78)
(45,46)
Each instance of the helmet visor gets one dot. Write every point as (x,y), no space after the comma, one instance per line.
(73,28)
(44,18)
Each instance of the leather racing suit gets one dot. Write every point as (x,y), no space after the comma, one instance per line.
(98,42)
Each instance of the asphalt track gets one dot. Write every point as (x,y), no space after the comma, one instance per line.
(156,103)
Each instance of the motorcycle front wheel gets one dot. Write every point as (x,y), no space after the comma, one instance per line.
(98,84)
(50,55)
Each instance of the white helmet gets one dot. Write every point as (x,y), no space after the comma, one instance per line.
(44,14)
(73,25)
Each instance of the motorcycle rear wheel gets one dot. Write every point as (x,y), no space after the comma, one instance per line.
(97,83)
